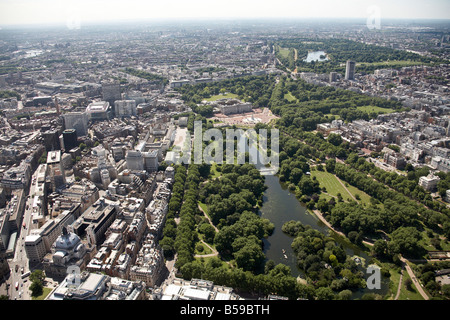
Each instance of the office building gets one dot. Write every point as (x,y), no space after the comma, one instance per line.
(78,121)
(125,108)
(333,76)
(134,160)
(35,248)
(95,221)
(194,289)
(151,160)
(350,70)
(111,91)
(70,139)
(99,111)
(81,286)
(55,170)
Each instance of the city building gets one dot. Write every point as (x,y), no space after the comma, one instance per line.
(35,248)
(195,289)
(125,108)
(134,160)
(149,266)
(111,91)
(429,182)
(95,221)
(94,286)
(78,121)
(67,250)
(55,170)
(150,160)
(98,111)
(350,70)
(232,106)
(39,242)
(70,139)
(80,286)
(16,177)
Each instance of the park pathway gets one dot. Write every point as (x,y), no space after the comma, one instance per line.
(399,285)
(213,254)
(414,279)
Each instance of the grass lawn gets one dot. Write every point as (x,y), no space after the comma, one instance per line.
(45,293)
(408,294)
(331,184)
(289,97)
(204,207)
(284,52)
(223,96)
(365,198)
(426,242)
(402,63)
(205,249)
(375,109)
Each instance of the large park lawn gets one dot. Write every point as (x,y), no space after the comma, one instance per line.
(228,95)
(331,184)
(333,187)
(375,109)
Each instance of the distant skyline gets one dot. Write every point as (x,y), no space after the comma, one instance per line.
(77,12)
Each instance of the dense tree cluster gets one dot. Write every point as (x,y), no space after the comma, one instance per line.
(254,89)
(427,275)
(324,261)
(232,204)
(317,104)
(238,190)
(186,233)
(4,94)
(276,279)
(170,228)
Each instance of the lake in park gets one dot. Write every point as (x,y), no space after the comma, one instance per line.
(281,206)
(316,56)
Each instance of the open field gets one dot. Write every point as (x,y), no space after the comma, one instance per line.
(289,97)
(402,63)
(411,293)
(333,187)
(331,184)
(284,52)
(228,95)
(375,109)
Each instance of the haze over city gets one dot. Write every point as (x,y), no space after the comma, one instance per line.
(18,12)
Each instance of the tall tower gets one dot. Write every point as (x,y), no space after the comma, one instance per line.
(350,70)
(58,110)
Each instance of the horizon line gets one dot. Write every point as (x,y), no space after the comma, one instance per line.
(216,19)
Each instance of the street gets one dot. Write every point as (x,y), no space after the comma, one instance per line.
(20,257)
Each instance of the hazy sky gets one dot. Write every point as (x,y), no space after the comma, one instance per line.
(80,11)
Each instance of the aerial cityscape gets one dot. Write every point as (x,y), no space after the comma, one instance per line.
(126,167)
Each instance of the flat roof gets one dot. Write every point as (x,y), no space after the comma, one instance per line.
(92,282)
(197,294)
(172,289)
(54,156)
(223,296)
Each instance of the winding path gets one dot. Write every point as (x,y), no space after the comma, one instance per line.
(213,254)
(214,251)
